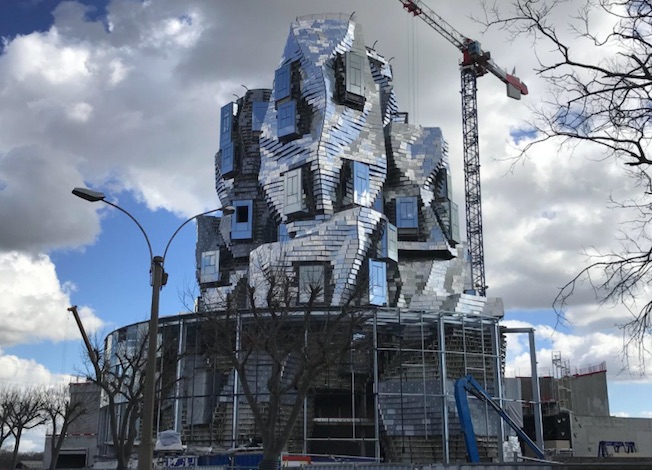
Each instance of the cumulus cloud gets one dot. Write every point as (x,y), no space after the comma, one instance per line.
(579,350)
(131,103)
(34,302)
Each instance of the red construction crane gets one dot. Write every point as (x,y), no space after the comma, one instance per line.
(475,63)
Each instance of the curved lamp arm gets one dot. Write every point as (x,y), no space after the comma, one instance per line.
(183,225)
(149,245)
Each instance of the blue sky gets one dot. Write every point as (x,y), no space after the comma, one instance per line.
(123,96)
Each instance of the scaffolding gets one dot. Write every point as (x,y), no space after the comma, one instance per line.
(562,381)
(393,401)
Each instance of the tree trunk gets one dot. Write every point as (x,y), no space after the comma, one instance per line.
(268,463)
(14,457)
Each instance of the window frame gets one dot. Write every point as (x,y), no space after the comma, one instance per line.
(226,124)
(354,64)
(283,82)
(402,219)
(242,230)
(378,292)
(207,275)
(227,159)
(293,202)
(304,293)
(286,119)
(361,184)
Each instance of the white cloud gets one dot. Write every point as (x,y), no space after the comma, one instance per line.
(136,108)
(34,303)
(579,349)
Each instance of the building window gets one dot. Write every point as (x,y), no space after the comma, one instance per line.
(407,213)
(349,79)
(259,108)
(210,266)
(361,184)
(377,282)
(354,67)
(282,234)
(389,241)
(379,203)
(228,161)
(242,220)
(282,82)
(312,282)
(287,119)
(454,223)
(294,200)
(226,124)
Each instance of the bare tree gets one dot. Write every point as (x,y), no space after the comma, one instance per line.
(8,396)
(25,412)
(599,95)
(290,334)
(61,412)
(118,369)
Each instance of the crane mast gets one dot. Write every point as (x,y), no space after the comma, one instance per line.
(475,63)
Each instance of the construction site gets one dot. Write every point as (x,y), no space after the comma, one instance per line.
(326,182)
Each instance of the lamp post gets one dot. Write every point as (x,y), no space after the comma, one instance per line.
(158,280)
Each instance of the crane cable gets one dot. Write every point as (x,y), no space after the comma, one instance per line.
(413,69)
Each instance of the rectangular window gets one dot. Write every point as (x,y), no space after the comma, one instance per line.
(210,266)
(454,223)
(377,282)
(283,235)
(389,241)
(259,108)
(361,184)
(228,161)
(287,119)
(226,124)
(407,213)
(354,67)
(242,220)
(282,82)
(293,192)
(312,282)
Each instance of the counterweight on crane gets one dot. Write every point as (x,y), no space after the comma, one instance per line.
(475,63)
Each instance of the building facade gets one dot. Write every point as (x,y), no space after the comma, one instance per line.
(327,183)
(330,184)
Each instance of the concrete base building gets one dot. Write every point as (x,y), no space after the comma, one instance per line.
(80,447)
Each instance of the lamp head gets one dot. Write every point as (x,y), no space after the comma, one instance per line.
(228,210)
(88,194)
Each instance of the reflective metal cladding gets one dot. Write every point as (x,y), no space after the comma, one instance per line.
(328,179)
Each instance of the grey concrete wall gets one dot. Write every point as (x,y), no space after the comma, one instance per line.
(589,394)
(588,431)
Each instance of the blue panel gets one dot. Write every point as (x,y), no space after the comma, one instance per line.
(226,124)
(377,282)
(283,235)
(282,82)
(242,220)
(360,183)
(227,163)
(407,214)
(259,108)
(287,119)
(379,204)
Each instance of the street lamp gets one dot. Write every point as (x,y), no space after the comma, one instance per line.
(158,280)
